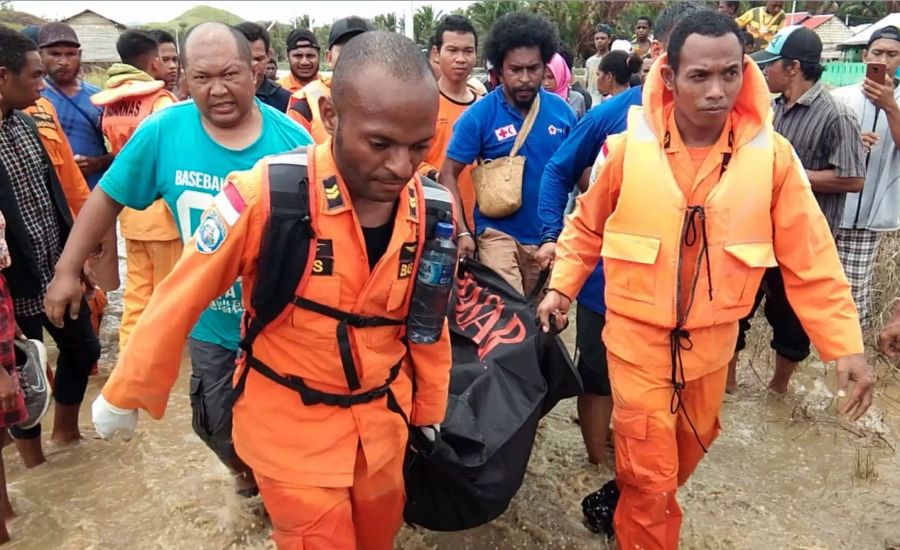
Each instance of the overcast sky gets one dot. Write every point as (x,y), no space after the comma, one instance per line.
(146,12)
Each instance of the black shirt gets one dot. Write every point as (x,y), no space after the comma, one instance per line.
(274,95)
(378,238)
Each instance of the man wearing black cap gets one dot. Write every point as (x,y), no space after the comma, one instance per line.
(869,214)
(71,96)
(826,138)
(304,104)
(303,55)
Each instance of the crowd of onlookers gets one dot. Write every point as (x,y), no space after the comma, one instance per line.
(164,160)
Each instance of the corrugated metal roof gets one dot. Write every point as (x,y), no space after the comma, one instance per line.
(805,19)
(862,38)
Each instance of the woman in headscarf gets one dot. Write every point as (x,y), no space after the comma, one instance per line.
(557,79)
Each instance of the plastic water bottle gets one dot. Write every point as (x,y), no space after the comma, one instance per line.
(434,281)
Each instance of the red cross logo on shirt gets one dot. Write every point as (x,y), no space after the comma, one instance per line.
(507,131)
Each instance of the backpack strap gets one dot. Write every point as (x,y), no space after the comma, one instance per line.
(302,106)
(438,205)
(289,227)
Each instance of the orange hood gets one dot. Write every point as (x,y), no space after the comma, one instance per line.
(751,111)
(125,81)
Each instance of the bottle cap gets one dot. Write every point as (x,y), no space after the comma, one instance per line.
(444,230)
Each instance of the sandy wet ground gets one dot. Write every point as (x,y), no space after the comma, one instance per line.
(784,474)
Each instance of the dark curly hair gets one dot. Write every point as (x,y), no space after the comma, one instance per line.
(13,47)
(520,29)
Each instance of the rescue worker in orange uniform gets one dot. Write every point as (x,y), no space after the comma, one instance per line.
(135,90)
(330,476)
(303,106)
(689,207)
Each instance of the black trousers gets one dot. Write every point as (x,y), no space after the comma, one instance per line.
(789,339)
(78,349)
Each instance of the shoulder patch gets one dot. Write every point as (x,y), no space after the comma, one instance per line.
(413,203)
(333,196)
(211,233)
(43,120)
(407,259)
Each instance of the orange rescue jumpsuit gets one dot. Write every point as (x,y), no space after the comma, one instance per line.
(152,242)
(331,478)
(680,275)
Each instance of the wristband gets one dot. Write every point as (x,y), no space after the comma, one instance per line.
(462,234)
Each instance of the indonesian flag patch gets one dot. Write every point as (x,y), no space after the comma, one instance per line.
(230,204)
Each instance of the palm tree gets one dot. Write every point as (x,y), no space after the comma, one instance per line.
(483,14)
(388,22)
(301,22)
(425,20)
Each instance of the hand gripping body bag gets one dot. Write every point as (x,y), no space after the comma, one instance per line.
(506,374)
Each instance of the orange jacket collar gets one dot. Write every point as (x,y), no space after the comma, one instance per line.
(750,112)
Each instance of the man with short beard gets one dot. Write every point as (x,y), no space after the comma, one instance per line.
(71,97)
(183,155)
(519,45)
(303,56)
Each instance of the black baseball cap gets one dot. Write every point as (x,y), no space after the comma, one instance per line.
(890,32)
(794,42)
(302,38)
(57,34)
(344,29)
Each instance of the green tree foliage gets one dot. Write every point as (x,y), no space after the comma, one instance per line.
(388,22)
(301,22)
(425,20)
(483,14)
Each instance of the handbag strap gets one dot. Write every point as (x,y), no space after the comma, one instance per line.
(84,115)
(526,127)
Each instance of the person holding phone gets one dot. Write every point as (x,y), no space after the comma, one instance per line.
(826,138)
(874,211)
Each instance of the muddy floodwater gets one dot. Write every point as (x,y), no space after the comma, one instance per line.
(785,473)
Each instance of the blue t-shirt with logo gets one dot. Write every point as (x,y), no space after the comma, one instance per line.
(171,156)
(488,130)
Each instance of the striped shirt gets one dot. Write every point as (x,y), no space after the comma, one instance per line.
(826,136)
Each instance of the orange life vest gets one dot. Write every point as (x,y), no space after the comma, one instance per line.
(304,108)
(124,108)
(642,254)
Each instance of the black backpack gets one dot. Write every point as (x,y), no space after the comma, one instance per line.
(279,275)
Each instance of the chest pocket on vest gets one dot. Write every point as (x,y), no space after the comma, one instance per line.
(745,265)
(630,264)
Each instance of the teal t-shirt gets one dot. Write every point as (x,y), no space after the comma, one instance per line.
(171,156)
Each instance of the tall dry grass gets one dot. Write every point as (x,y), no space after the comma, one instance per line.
(886,288)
